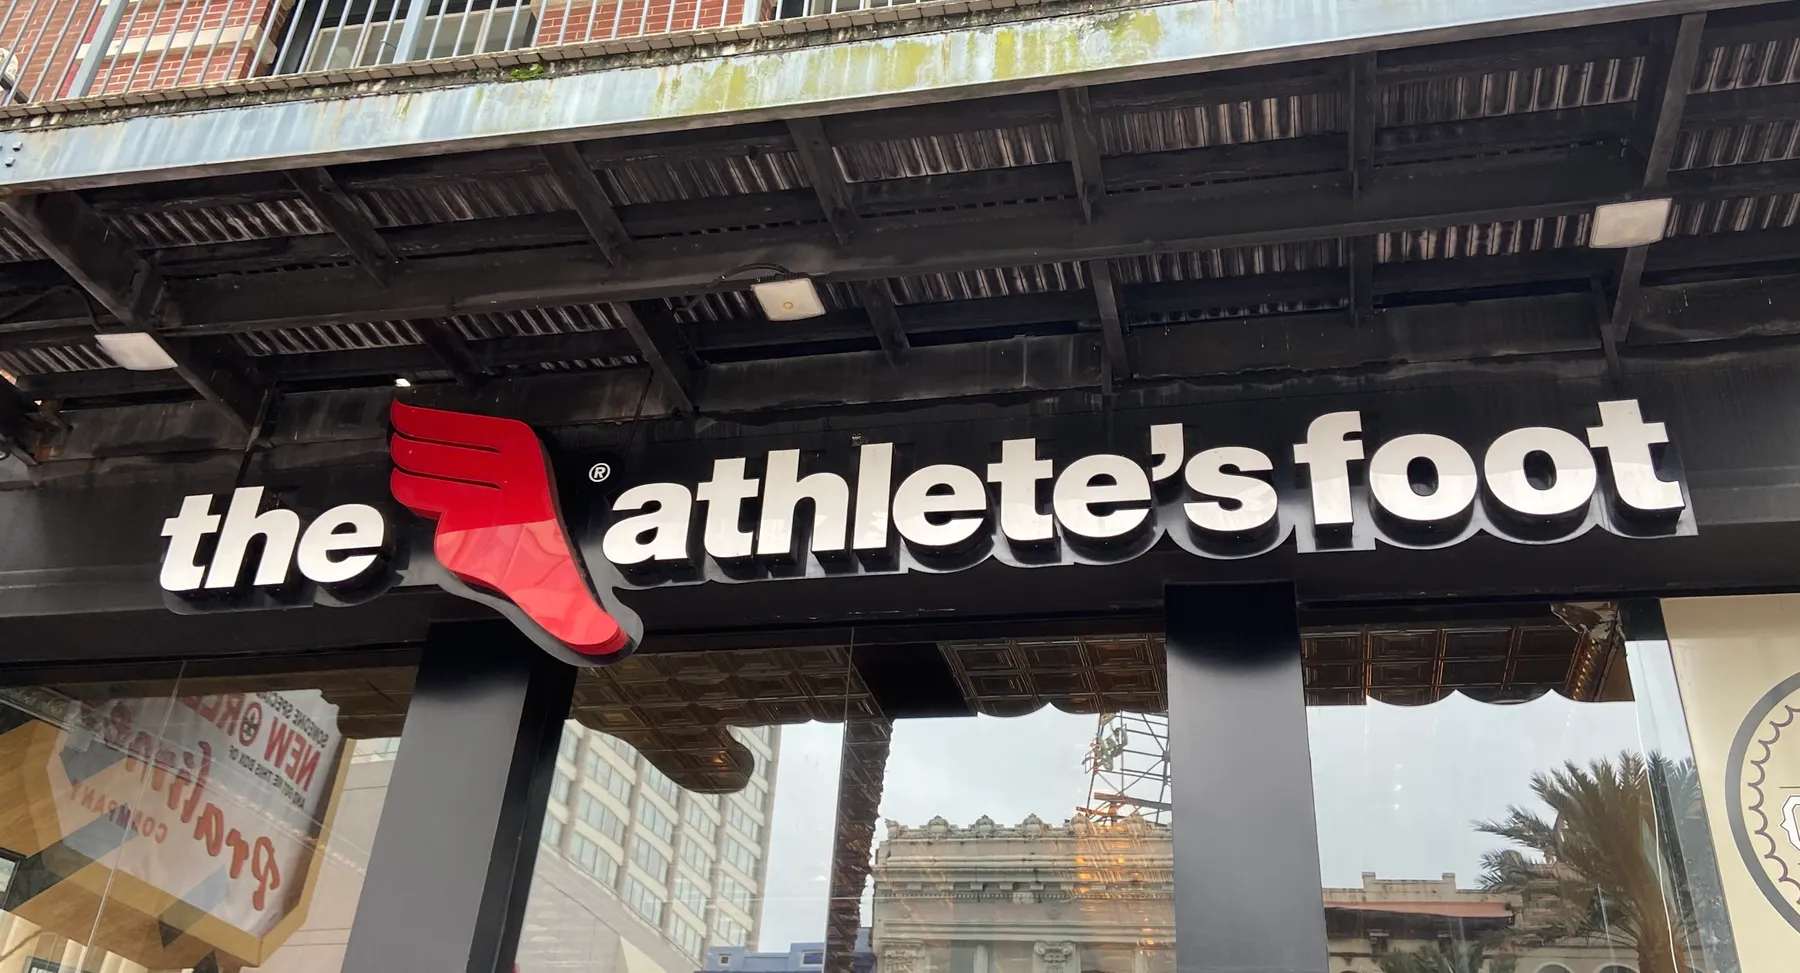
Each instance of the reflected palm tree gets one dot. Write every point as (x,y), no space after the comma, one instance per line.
(1608,871)
(1447,958)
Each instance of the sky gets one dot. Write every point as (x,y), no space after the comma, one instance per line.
(1396,788)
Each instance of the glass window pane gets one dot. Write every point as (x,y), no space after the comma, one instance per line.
(156,823)
(1488,796)
(759,856)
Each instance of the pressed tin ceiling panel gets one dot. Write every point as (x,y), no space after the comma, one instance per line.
(679,708)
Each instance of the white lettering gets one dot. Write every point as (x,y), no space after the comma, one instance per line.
(279,529)
(366,532)
(1627,439)
(185,531)
(1103,478)
(724,496)
(1327,453)
(783,489)
(667,525)
(1256,503)
(874,479)
(1391,484)
(1573,474)
(1018,474)
(939,491)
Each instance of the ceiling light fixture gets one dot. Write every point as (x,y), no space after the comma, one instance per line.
(784,295)
(1637,223)
(136,351)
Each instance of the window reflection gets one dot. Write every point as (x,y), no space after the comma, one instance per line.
(1512,816)
(851,842)
(189,822)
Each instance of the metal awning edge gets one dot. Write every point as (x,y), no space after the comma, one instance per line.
(1033,54)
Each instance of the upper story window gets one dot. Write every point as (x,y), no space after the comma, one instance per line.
(367,32)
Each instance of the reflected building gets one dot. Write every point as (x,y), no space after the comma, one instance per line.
(637,874)
(799,958)
(1092,896)
(1080,897)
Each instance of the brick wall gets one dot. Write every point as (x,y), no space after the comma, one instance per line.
(198,42)
(632,18)
(159,43)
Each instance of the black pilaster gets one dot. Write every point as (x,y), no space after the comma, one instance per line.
(1247,886)
(452,862)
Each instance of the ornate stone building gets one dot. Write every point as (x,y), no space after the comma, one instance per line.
(1032,898)
(1088,897)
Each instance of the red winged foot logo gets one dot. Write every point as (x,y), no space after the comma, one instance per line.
(500,534)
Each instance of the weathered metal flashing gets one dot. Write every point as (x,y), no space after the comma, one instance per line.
(932,65)
(531,64)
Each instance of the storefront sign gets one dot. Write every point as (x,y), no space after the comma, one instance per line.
(200,813)
(889,507)
(1737,662)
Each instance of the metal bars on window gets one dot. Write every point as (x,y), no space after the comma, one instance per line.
(52,50)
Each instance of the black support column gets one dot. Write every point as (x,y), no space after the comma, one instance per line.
(452,861)
(1248,895)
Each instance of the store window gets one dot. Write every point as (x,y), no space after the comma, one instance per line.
(953,844)
(192,819)
(1509,789)
(1737,674)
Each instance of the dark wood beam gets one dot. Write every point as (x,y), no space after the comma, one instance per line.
(20,432)
(347,221)
(1176,220)
(99,258)
(1361,101)
(660,345)
(1081,142)
(1695,322)
(450,350)
(1660,112)
(826,177)
(581,189)
(878,300)
(1112,328)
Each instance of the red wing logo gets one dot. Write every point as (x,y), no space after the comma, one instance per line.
(486,482)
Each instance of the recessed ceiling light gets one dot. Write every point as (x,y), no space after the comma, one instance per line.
(401,383)
(136,351)
(788,300)
(1635,224)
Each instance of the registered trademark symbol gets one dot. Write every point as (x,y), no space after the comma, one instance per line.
(599,472)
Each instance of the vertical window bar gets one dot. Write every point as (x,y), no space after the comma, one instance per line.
(237,46)
(74,65)
(362,35)
(389,53)
(162,56)
(123,38)
(137,62)
(23,61)
(618,14)
(90,65)
(437,24)
(512,26)
(568,11)
(462,24)
(669,22)
(62,35)
(11,55)
(199,25)
(487,27)
(212,49)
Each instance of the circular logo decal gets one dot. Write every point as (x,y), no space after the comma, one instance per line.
(1763,782)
